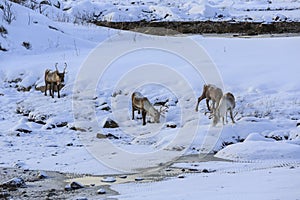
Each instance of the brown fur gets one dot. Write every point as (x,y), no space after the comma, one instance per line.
(54,78)
(142,104)
(227,103)
(210,92)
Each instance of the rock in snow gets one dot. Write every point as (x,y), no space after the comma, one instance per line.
(73,186)
(101,191)
(109,123)
(108,180)
(14,183)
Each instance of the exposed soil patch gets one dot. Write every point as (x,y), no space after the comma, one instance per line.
(205,27)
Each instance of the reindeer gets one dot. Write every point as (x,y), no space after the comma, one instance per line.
(53,78)
(213,93)
(227,103)
(141,103)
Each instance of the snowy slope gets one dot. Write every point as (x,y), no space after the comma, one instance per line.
(157,10)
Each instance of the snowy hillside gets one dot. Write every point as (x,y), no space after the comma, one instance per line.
(104,67)
(157,10)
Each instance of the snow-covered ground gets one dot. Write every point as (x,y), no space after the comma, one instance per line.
(276,183)
(105,66)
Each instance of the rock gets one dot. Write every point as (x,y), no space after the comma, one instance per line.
(171,125)
(208,171)
(77,129)
(42,175)
(298,124)
(280,18)
(123,176)
(109,123)
(101,136)
(51,193)
(101,191)
(109,136)
(108,180)
(14,183)
(181,176)
(105,107)
(4,194)
(73,186)
(61,124)
(193,170)
(138,179)
(21,165)
(22,130)
(68,187)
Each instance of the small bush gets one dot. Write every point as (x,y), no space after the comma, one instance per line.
(18,1)
(2,48)
(3,31)
(8,14)
(27,45)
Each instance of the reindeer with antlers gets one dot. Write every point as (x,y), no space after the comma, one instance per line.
(142,104)
(53,78)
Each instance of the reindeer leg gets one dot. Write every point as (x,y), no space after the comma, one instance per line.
(197,104)
(226,116)
(207,104)
(132,112)
(46,85)
(52,90)
(50,94)
(144,117)
(231,115)
(58,95)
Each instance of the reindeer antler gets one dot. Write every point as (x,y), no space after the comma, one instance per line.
(163,111)
(65,66)
(56,66)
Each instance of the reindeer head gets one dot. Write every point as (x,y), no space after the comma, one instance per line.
(161,112)
(156,116)
(62,74)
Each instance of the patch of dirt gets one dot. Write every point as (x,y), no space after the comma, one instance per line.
(205,27)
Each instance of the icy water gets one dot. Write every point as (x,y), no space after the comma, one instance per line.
(148,174)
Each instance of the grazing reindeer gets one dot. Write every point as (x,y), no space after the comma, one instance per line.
(141,103)
(213,93)
(227,103)
(53,78)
